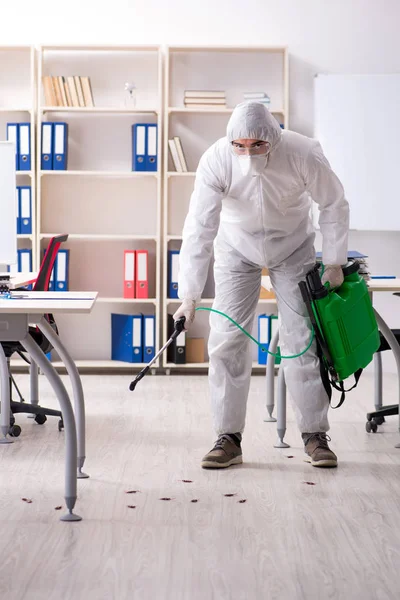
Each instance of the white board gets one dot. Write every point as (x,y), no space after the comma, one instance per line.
(8,205)
(357,121)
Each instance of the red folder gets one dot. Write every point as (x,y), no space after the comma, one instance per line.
(129,273)
(142,274)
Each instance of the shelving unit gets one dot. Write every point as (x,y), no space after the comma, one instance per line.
(99,201)
(234,70)
(18,105)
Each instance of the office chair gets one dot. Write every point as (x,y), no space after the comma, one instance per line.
(377,417)
(41,285)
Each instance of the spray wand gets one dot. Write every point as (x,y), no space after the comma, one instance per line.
(179,326)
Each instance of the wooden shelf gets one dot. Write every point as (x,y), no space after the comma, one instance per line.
(273,49)
(5,109)
(116,300)
(100,236)
(206,365)
(213,109)
(99,48)
(22,236)
(89,364)
(186,174)
(121,174)
(98,110)
(266,301)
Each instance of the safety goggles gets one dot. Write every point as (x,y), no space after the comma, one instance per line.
(255,149)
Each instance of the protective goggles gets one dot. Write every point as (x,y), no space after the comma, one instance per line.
(255,149)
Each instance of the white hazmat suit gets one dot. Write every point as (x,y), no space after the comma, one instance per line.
(256,213)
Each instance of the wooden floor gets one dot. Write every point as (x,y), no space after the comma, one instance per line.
(337,539)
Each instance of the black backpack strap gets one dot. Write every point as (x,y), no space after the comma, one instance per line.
(324,372)
(328,383)
(340,387)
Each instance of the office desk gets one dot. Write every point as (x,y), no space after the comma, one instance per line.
(374,286)
(16,314)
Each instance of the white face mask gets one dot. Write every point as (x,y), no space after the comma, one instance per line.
(252,165)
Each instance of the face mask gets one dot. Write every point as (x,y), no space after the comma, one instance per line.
(252,165)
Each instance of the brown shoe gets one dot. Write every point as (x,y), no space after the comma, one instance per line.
(317,450)
(224,454)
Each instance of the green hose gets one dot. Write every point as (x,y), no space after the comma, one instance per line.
(278,355)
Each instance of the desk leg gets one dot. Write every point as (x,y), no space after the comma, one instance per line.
(34,384)
(5,399)
(69,425)
(77,389)
(270,376)
(390,338)
(378,380)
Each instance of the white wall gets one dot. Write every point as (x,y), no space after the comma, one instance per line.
(340,36)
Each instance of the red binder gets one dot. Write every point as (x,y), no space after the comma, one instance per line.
(129,271)
(142,274)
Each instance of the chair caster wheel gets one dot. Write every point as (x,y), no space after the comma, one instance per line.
(40,419)
(371,427)
(379,420)
(60,425)
(14,431)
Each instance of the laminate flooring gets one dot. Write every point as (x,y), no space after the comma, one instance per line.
(337,539)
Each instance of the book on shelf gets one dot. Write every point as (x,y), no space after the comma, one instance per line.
(217,101)
(177,154)
(49,92)
(257,97)
(72,91)
(204,94)
(204,98)
(57,89)
(62,91)
(79,91)
(87,91)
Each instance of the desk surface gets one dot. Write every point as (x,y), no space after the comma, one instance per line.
(384,285)
(48,302)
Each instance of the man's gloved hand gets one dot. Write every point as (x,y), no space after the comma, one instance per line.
(333,274)
(187,310)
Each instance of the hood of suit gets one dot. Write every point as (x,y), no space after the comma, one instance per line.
(253,121)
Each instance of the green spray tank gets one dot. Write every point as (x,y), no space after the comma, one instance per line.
(344,322)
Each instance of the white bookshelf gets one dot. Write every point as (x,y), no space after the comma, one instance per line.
(102,204)
(234,70)
(18,105)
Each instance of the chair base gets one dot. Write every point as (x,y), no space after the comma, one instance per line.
(34,409)
(377,417)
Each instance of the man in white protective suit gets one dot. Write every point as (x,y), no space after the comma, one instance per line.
(251,201)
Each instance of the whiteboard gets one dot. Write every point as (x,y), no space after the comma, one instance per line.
(8,205)
(357,122)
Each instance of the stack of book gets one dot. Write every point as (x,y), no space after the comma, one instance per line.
(68,91)
(178,157)
(204,99)
(258,97)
